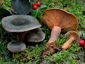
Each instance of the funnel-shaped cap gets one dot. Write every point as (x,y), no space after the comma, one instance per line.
(21,6)
(61,18)
(19,23)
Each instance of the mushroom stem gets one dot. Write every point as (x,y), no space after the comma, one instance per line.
(21,36)
(67,43)
(56,30)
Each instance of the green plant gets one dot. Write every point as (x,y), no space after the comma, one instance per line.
(28,55)
(84,35)
(61,40)
(32,56)
(68,56)
(37,13)
(6,5)
(64,57)
(4,53)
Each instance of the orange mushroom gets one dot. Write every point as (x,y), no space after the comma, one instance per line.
(73,36)
(58,20)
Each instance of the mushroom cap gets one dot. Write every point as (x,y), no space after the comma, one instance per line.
(16,46)
(73,34)
(21,6)
(36,35)
(61,18)
(19,23)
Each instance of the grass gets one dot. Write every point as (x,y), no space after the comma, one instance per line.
(32,56)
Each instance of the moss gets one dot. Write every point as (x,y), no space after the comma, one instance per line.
(28,54)
(32,56)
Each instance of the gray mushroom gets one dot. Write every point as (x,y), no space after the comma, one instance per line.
(16,46)
(35,36)
(20,24)
(21,6)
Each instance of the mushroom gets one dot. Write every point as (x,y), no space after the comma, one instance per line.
(58,20)
(21,6)
(16,46)
(20,24)
(73,36)
(35,36)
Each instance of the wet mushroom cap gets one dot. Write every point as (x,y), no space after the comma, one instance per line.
(73,34)
(21,6)
(20,23)
(16,46)
(61,18)
(36,35)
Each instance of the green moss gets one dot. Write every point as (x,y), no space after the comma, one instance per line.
(61,40)
(28,54)
(32,56)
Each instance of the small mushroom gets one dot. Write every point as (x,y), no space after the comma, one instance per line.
(58,20)
(21,6)
(20,24)
(73,36)
(35,36)
(16,46)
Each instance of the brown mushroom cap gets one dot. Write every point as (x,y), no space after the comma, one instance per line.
(73,34)
(19,23)
(16,46)
(61,18)
(36,35)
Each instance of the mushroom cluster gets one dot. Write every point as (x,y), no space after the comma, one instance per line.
(72,35)
(58,21)
(27,29)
